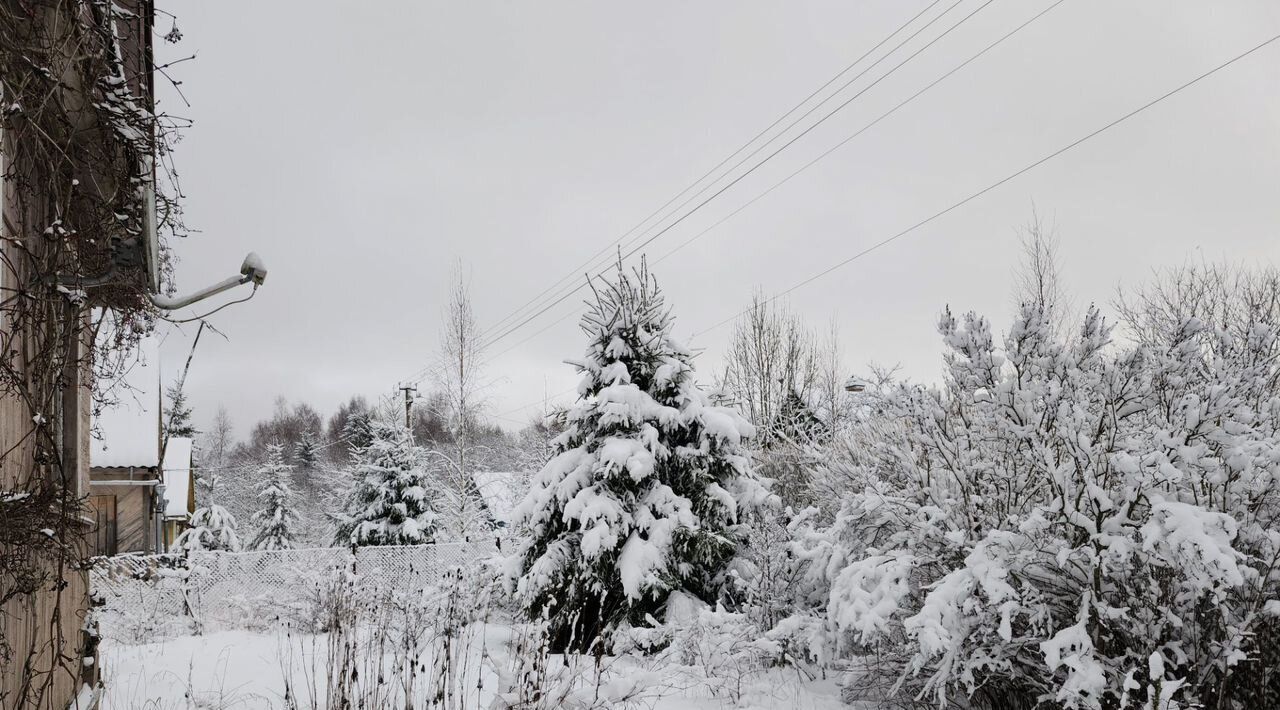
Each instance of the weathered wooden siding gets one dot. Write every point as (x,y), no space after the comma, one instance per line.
(42,667)
(134,521)
(45,636)
(43,632)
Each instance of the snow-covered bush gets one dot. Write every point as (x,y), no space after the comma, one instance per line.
(705,646)
(1066,521)
(390,503)
(650,484)
(534,678)
(210,528)
(767,578)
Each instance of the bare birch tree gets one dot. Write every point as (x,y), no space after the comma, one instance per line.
(215,451)
(831,402)
(1038,277)
(771,357)
(460,381)
(772,375)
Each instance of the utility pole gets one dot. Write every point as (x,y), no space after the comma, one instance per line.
(409,391)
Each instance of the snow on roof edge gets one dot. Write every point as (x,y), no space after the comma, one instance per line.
(177,477)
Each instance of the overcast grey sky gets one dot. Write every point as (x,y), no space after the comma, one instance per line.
(364,148)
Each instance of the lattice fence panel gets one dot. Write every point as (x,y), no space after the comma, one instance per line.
(141,597)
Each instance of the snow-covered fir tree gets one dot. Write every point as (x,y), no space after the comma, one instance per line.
(648,490)
(177,420)
(306,455)
(797,424)
(210,528)
(276,520)
(307,451)
(391,501)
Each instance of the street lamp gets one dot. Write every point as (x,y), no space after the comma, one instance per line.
(252,270)
(855,384)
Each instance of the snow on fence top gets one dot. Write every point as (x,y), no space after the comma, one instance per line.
(145,596)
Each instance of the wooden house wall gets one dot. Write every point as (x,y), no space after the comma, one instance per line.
(135,525)
(32,675)
(43,633)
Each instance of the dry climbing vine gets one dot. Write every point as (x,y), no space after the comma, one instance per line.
(85,161)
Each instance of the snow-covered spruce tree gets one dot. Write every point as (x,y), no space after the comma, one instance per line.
(307,451)
(391,503)
(1067,522)
(276,520)
(647,492)
(177,422)
(306,455)
(210,528)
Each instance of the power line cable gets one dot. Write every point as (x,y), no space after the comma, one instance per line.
(988,188)
(603,266)
(860,131)
(545,399)
(753,168)
(587,264)
(1000,182)
(812,162)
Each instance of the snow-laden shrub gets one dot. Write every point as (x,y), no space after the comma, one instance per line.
(535,678)
(767,578)
(706,646)
(1065,521)
(138,598)
(210,528)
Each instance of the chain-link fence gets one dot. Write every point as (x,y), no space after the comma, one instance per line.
(143,597)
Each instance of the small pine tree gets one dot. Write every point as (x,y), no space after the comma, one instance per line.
(211,528)
(790,451)
(391,503)
(306,454)
(646,493)
(277,523)
(178,422)
(357,432)
(307,451)
(797,424)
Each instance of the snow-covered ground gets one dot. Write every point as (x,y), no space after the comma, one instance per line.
(241,670)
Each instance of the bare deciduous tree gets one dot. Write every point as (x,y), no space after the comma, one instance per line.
(459,379)
(215,451)
(1038,277)
(1235,298)
(831,403)
(772,356)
